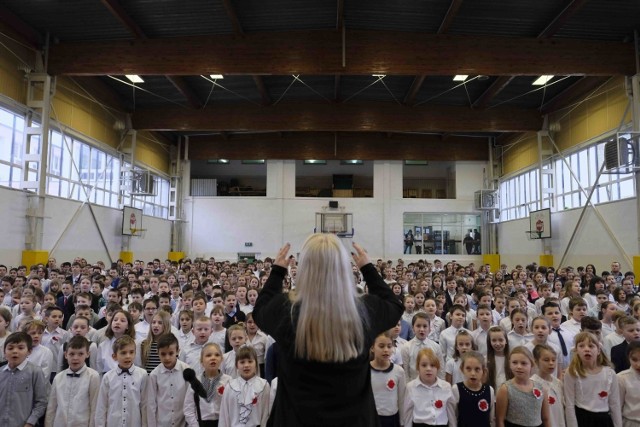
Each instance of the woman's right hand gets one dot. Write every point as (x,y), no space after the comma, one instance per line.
(360,256)
(281,258)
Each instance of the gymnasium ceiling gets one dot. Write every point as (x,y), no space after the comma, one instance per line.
(343,78)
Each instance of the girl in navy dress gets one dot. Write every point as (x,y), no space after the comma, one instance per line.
(472,404)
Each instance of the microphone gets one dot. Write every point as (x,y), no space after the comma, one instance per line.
(189,376)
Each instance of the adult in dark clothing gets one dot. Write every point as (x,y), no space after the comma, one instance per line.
(619,357)
(324,332)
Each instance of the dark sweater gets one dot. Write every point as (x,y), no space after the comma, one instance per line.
(324,394)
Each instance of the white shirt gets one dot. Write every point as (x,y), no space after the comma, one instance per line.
(183,339)
(586,393)
(610,341)
(228,365)
(497,317)
(208,410)
(568,340)
(572,326)
(388,390)
(105,362)
(629,383)
(396,357)
(516,340)
(190,354)
(409,354)
(556,399)
(122,398)
(453,368)
(54,341)
(142,329)
(93,357)
(251,398)
(218,338)
(436,326)
(73,400)
(480,338)
(559,367)
(427,404)
(259,344)
(166,390)
(448,341)
(41,356)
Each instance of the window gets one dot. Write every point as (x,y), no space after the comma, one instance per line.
(442,233)
(520,194)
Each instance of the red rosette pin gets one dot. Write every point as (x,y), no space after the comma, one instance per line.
(391,384)
(603,394)
(552,400)
(483,405)
(438,404)
(254,401)
(220,390)
(537,393)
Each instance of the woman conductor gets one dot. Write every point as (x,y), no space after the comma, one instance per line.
(324,332)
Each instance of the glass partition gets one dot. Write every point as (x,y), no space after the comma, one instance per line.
(441,233)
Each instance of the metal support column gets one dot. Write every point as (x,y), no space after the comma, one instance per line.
(35,153)
(635,111)
(127,166)
(176,195)
(546,181)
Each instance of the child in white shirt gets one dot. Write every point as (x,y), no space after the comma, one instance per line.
(74,392)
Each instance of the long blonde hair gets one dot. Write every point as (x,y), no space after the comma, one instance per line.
(576,368)
(330,316)
(146,344)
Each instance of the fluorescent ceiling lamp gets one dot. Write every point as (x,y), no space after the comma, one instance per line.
(460,78)
(134,78)
(542,80)
(416,162)
(216,76)
(315,162)
(252,162)
(379,75)
(218,161)
(351,162)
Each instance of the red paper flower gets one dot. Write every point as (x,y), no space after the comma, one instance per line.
(483,405)
(391,384)
(254,401)
(438,404)
(603,394)
(552,400)
(221,389)
(537,393)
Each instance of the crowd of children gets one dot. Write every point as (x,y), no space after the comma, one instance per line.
(175,344)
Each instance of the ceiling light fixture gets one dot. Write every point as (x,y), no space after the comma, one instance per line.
(460,78)
(216,76)
(542,80)
(379,76)
(134,78)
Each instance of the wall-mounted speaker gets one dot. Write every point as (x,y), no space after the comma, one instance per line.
(333,204)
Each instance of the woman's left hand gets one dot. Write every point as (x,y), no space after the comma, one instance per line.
(281,258)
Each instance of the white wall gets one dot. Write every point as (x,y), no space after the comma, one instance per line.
(592,244)
(219,226)
(81,237)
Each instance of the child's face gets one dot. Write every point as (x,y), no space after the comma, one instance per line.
(230,303)
(498,342)
(546,363)
(520,365)
(175,292)
(451,285)
(237,339)
(602,298)
(199,306)
(464,344)
(421,329)
(83,301)
(485,317)
(164,302)
(631,332)
(382,350)
(54,320)
(48,299)
(76,358)
(36,335)
(499,303)
(168,356)
(461,301)
(252,296)
(119,324)
(211,358)
(578,312)
(486,299)
(125,356)
(3,325)
(202,332)
(441,298)
(419,300)
(395,331)
(473,371)
(95,289)
(513,305)
(26,305)
(252,328)
(427,371)
(553,315)
(185,322)
(15,353)
(458,318)
(540,330)
(157,327)
(587,351)
(247,368)
(409,305)
(85,285)
(430,307)
(136,298)
(79,327)
(113,296)
(520,323)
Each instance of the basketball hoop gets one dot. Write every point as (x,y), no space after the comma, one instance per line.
(534,235)
(138,232)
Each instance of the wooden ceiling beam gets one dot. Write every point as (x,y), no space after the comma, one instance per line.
(262,88)
(20,28)
(125,19)
(447,21)
(349,117)
(573,93)
(410,98)
(186,91)
(233,17)
(340,146)
(319,52)
(101,91)
(562,18)
(336,88)
(493,90)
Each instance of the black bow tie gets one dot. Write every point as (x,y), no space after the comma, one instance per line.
(74,375)
(125,371)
